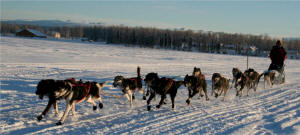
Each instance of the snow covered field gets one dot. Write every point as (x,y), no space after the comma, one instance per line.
(26,61)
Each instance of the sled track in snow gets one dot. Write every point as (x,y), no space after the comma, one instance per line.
(267,111)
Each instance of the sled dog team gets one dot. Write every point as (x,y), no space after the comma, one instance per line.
(77,91)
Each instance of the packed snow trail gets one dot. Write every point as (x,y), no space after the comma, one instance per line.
(24,62)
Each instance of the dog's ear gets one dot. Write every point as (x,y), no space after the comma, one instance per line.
(186,75)
(102,84)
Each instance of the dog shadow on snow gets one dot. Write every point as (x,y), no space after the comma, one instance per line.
(20,105)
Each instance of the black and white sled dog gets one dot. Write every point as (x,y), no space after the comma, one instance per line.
(219,85)
(240,80)
(54,90)
(87,91)
(235,73)
(269,77)
(129,85)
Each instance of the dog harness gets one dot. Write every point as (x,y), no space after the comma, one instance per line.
(86,86)
(133,80)
(87,89)
(170,83)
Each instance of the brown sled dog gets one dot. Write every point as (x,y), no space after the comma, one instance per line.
(197,73)
(161,86)
(219,83)
(129,85)
(195,84)
(254,78)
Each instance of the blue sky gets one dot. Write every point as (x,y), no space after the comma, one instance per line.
(275,18)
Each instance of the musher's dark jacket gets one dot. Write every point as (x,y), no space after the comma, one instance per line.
(278,55)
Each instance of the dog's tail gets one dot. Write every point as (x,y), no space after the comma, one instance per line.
(138,72)
(262,74)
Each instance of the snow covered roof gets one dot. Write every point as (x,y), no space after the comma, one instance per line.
(35,32)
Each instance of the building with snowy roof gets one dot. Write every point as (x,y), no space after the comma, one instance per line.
(30,33)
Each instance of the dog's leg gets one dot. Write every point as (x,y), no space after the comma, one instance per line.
(255,86)
(128,98)
(188,101)
(131,96)
(68,108)
(222,89)
(73,110)
(152,95)
(200,94)
(55,108)
(268,79)
(248,92)
(242,90)
(205,92)
(225,92)
(89,99)
(239,92)
(50,103)
(100,102)
(145,94)
(161,100)
(173,100)
(233,80)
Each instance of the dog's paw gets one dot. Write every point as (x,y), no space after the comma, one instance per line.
(144,98)
(39,118)
(149,108)
(188,102)
(157,106)
(216,95)
(207,99)
(59,123)
(201,95)
(94,108)
(100,105)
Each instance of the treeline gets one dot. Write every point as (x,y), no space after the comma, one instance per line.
(162,38)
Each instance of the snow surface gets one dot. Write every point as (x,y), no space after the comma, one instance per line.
(25,61)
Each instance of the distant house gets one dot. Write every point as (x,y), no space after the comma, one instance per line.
(55,34)
(30,33)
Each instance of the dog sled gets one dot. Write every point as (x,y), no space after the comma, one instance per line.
(275,75)
(279,72)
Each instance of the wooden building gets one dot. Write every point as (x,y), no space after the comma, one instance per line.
(30,33)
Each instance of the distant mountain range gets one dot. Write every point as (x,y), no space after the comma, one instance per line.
(49,23)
